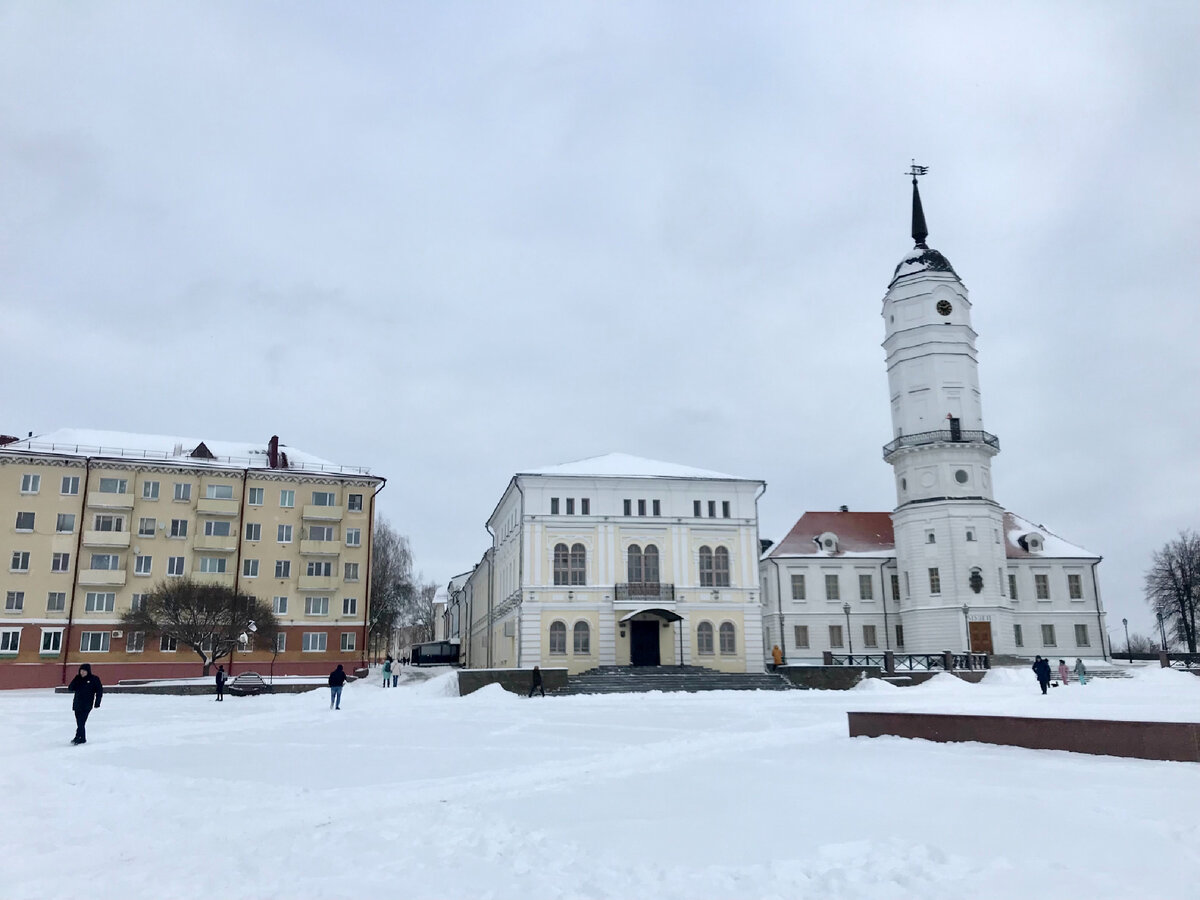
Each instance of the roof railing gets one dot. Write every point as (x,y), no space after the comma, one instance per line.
(184,457)
(944,436)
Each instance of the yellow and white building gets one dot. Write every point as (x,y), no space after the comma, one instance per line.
(618,560)
(93,519)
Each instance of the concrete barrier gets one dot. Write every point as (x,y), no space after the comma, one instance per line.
(515,681)
(1175,741)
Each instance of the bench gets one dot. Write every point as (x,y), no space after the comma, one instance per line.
(247,684)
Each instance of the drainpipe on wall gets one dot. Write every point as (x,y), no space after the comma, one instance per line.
(370,559)
(1099,614)
(66,649)
(521,569)
(883,586)
(491,571)
(779,605)
(237,563)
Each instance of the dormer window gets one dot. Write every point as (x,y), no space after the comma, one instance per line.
(828,542)
(1031,542)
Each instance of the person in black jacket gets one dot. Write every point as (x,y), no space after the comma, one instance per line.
(337,678)
(1041,668)
(537,682)
(87,690)
(221,682)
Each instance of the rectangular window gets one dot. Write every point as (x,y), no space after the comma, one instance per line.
(60,562)
(314,642)
(899,635)
(179,528)
(183,491)
(725,509)
(100,601)
(175,565)
(712,509)
(354,502)
(216,528)
(109,523)
(20,561)
(353,537)
(320,569)
(56,601)
(970,534)
(113,485)
(323,498)
(287,499)
(799,591)
(168,644)
(283,568)
(65,524)
(585,506)
(316,606)
(628,512)
(554,506)
(253,531)
(249,568)
(255,497)
(212,565)
(347,641)
(10,640)
(351,572)
(1081,636)
(1012,586)
(146,527)
(896,587)
(51,641)
(696,508)
(930,537)
(138,603)
(1041,586)
(570,506)
(833,590)
(105,562)
(30,483)
(70,484)
(280,642)
(283,534)
(135,642)
(656,507)
(218,491)
(835,636)
(866,586)
(869,638)
(279,605)
(14,601)
(93,641)
(320,532)
(1048,636)
(149,490)
(349,606)
(641,507)
(25,521)
(801,637)
(1075,586)
(935,582)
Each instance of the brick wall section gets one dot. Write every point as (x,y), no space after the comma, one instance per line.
(516,681)
(1177,741)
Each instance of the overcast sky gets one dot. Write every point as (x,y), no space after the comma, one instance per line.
(454,241)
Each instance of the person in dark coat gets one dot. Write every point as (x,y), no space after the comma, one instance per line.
(337,678)
(87,690)
(1041,668)
(537,682)
(220,682)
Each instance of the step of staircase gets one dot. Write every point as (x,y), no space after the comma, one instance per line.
(690,679)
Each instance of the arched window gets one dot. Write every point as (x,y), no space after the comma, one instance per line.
(704,638)
(721,567)
(583,638)
(578,564)
(562,558)
(558,637)
(634,558)
(643,564)
(728,639)
(706,575)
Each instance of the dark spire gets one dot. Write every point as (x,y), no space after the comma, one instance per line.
(919,231)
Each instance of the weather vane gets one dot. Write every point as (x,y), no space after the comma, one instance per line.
(917,170)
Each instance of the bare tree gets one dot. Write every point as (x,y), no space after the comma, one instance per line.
(419,613)
(209,618)
(1173,586)
(1141,643)
(391,582)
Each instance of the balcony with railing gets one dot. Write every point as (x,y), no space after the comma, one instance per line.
(106,538)
(320,548)
(102,577)
(322,513)
(225,543)
(943,436)
(108,500)
(211,506)
(648,593)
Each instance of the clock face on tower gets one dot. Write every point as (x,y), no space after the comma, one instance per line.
(944,308)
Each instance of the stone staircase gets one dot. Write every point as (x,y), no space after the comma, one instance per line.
(640,679)
(1115,670)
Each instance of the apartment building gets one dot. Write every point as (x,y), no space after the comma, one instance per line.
(94,519)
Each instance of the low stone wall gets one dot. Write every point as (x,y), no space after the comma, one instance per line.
(827,678)
(912,679)
(279,687)
(516,681)
(1177,741)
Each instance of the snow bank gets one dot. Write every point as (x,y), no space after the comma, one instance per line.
(945,683)
(444,685)
(1009,676)
(874,684)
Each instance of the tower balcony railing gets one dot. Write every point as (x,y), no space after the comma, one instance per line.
(944,436)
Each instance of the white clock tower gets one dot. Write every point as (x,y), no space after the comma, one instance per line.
(950,551)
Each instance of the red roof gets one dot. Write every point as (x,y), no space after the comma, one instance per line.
(857,532)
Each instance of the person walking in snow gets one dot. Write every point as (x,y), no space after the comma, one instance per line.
(1063,674)
(337,678)
(1080,670)
(1041,668)
(220,682)
(387,670)
(88,691)
(536,685)
(777,656)
(396,674)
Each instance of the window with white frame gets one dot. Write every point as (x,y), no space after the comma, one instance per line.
(65,523)
(1074,586)
(704,638)
(570,506)
(558,638)
(935,581)
(582,637)
(316,606)
(354,502)
(60,562)
(314,642)
(283,568)
(585,506)
(280,642)
(1012,586)
(149,490)
(728,636)
(353,537)
(142,565)
(869,636)
(93,641)
(20,561)
(31,483)
(138,603)
(349,606)
(351,572)
(175,566)
(833,590)
(135,642)
(168,644)
(56,601)
(1041,586)
(146,527)
(70,485)
(216,528)
(279,605)
(253,531)
(100,601)
(213,565)
(14,601)
(1018,638)
(218,491)
(899,635)
(25,521)
(51,641)
(1081,636)
(105,522)
(348,641)
(866,586)
(1048,636)
(183,491)
(800,636)
(322,569)
(799,591)
(179,528)
(695,508)
(254,496)
(113,486)
(320,533)
(835,637)
(10,640)
(287,499)
(249,568)
(324,498)
(283,534)
(706,567)
(895,587)
(554,506)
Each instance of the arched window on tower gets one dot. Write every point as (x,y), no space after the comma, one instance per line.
(583,639)
(704,638)
(558,637)
(721,567)
(728,639)
(706,569)
(562,564)
(578,563)
(634,564)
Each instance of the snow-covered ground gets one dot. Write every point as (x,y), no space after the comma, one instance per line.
(415,793)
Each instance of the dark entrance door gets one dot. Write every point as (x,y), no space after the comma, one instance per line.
(981,637)
(643,643)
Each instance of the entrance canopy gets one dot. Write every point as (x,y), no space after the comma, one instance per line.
(665,614)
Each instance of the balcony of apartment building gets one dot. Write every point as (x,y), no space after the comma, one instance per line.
(212,506)
(224,543)
(106,538)
(225,579)
(320,548)
(102,577)
(322,513)
(319,582)
(110,499)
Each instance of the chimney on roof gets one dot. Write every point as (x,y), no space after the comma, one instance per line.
(273,452)
(843,509)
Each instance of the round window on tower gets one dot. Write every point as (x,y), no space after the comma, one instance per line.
(961,476)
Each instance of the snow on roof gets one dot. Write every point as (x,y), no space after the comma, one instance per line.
(922,259)
(1053,546)
(171,449)
(625,466)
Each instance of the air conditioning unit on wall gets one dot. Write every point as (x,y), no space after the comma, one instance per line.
(118,634)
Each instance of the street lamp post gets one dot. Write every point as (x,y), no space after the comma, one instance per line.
(849,634)
(1162,632)
(1128,650)
(966,608)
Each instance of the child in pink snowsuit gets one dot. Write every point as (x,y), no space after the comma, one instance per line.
(1063,672)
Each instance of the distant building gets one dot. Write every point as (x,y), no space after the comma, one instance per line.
(94,519)
(618,560)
